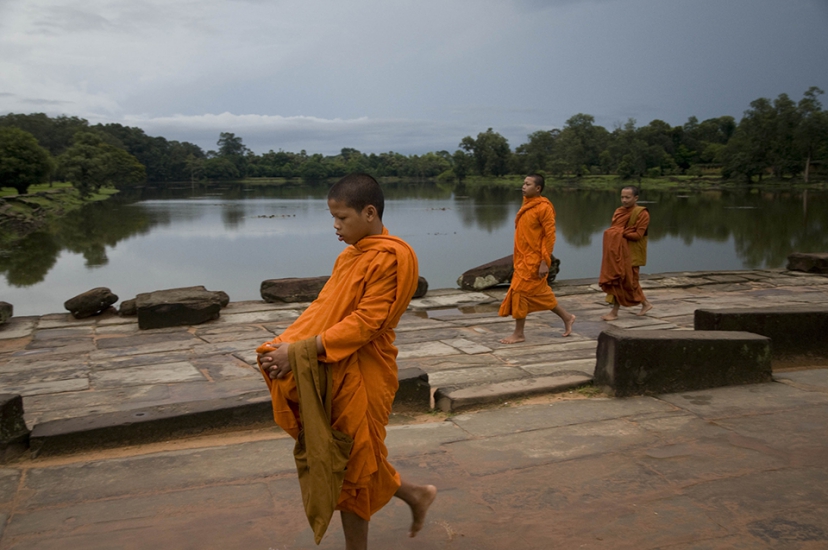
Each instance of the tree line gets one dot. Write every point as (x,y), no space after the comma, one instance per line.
(780,138)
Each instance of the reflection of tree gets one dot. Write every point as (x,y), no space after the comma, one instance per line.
(88,231)
(487,207)
(232,214)
(581,214)
(29,260)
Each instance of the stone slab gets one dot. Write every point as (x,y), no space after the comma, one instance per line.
(450,300)
(630,362)
(55,386)
(793,330)
(517,350)
(147,424)
(146,375)
(467,346)
(454,400)
(528,418)
(816,378)
(17,327)
(587,366)
(411,440)
(425,349)
(473,375)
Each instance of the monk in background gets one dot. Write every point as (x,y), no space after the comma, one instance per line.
(625,250)
(534,240)
(353,322)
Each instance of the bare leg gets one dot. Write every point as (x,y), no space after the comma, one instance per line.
(612,315)
(518,335)
(356,531)
(567,318)
(418,498)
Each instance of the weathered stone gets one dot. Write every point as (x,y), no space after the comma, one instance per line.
(6,312)
(422,288)
(633,362)
(128,307)
(816,262)
(178,307)
(451,400)
(92,302)
(414,393)
(13,431)
(797,330)
(498,272)
(292,289)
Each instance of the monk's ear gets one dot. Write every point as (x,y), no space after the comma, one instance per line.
(369,213)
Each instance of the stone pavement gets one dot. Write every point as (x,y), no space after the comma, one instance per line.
(740,467)
(78,373)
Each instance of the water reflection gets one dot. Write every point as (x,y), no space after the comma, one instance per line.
(234,237)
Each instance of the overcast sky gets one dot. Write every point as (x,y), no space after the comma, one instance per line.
(402,75)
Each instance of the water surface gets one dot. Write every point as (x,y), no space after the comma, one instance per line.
(232,239)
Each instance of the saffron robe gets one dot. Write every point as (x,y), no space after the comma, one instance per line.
(534,241)
(619,276)
(355,315)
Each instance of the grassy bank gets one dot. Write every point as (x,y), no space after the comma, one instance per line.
(23,214)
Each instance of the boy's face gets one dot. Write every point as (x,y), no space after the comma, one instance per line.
(349,224)
(628,200)
(530,188)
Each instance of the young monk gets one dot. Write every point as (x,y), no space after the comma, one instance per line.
(534,239)
(625,250)
(352,322)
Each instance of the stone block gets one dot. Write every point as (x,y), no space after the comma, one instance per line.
(6,312)
(128,308)
(632,362)
(89,303)
(793,330)
(498,272)
(178,307)
(422,288)
(292,289)
(414,393)
(815,262)
(14,434)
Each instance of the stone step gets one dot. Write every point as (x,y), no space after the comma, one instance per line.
(455,399)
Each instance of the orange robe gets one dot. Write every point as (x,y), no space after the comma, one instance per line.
(619,277)
(534,241)
(356,312)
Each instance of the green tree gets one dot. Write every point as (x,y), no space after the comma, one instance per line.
(91,164)
(23,162)
(813,129)
(491,153)
(581,142)
(232,148)
(536,154)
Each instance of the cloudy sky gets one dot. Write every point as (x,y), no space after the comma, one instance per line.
(403,75)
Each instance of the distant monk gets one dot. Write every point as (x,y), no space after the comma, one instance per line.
(534,241)
(332,374)
(625,250)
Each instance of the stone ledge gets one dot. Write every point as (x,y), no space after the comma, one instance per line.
(631,362)
(798,330)
(451,400)
(815,262)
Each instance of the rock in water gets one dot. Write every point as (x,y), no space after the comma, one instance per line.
(91,302)
(498,272)
(292,289)
(178,307)
(6,312)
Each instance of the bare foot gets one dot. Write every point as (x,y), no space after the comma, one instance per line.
(645,307)
(610,317)
(568,325)
(513,339)
(423,497)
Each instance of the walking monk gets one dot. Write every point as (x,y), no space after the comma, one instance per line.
(337,363)
(534,239)
(625,250)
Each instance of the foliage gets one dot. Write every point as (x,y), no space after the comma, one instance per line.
(23,162)
(91,163)
(490,152)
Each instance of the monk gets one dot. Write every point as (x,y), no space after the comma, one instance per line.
(353,321)
(625,250)
(534,240)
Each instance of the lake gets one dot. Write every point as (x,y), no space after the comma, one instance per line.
(235,237)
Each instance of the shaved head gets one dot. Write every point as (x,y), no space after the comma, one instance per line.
(358,191)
